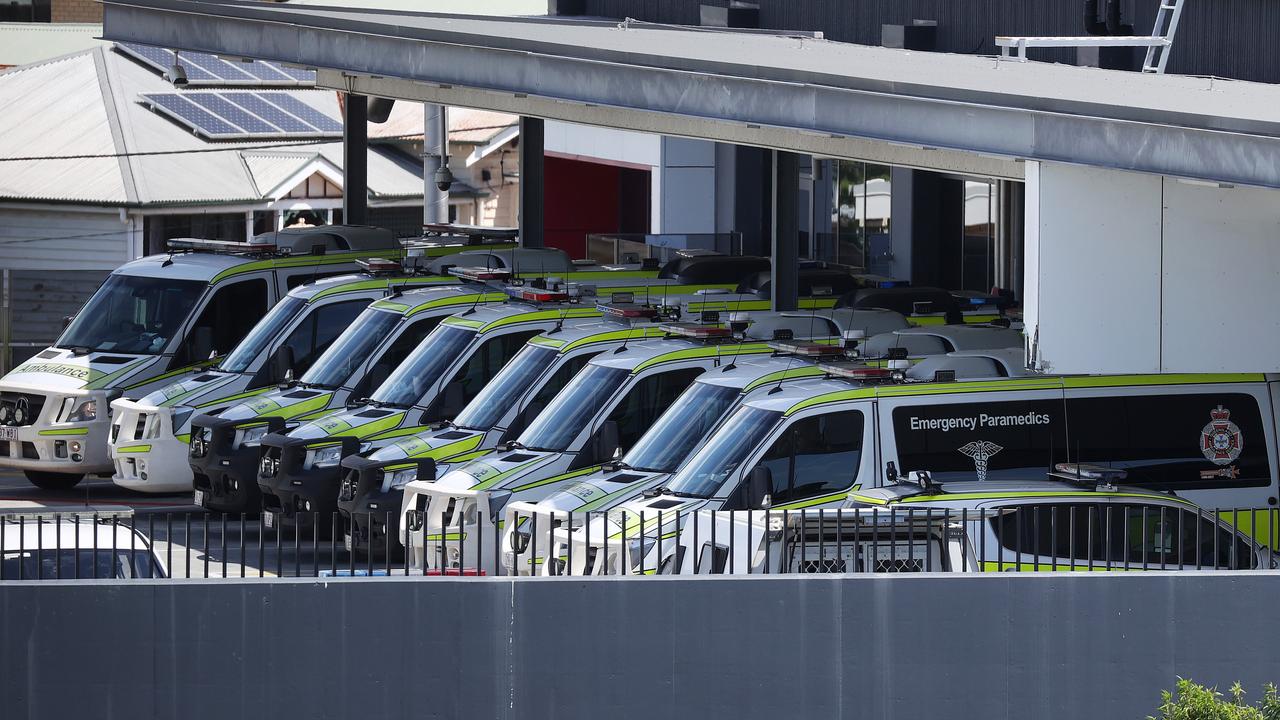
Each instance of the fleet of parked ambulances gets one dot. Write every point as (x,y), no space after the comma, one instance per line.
(589,419)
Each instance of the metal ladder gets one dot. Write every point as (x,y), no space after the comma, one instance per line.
(1165,26)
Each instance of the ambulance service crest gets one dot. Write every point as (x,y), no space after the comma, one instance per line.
(1220,440)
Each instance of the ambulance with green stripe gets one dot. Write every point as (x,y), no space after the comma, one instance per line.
(369,497)
(152,320)
(1210,439)
(299,474)
(371,492)
(149,436)
(694,418)
(605,409)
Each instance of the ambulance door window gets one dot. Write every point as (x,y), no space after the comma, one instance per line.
(828,451)
(228,316)
(1173,441)
(312,337)
(1175,537)
(480,368)
(394,355)
(646,401)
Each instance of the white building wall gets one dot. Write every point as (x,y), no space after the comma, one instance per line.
(1137,273)
(36,238)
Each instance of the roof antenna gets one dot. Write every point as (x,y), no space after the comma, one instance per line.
(487,260)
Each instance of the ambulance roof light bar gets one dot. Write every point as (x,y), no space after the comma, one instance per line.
(1099,477)
(380,266)
(481,274)
(626,311)
(221,246)
(860,372)
(536,295)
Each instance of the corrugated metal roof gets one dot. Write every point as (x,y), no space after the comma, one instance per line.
(87,104)
(56,108)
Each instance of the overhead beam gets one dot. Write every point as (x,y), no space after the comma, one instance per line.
(700,96)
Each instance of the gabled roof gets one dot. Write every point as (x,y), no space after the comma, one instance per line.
(84,107)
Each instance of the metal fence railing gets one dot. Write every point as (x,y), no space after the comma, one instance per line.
(460,541)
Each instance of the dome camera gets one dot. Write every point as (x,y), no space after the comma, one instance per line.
(444,179)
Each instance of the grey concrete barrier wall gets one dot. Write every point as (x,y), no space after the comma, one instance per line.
(910,646)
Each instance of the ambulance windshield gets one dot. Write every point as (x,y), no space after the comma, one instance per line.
(744,432)
(133,314)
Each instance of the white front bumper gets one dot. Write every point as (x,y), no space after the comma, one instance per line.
(50,446)
(146,454)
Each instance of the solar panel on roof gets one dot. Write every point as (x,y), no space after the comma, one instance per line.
(296,107)
(231,112)
(242,115)
(201,120)
(257,104)
(207,69)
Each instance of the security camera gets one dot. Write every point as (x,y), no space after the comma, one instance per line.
(177,73)
(444,179)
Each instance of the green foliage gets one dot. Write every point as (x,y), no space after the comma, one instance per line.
(1197,702)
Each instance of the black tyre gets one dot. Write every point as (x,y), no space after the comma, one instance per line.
(53,481)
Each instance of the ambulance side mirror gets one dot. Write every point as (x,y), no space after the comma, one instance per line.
(759,488)
(282,363)
(606,441)
(201,342)
(452,400)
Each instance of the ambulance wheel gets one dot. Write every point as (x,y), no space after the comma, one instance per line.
(52,481)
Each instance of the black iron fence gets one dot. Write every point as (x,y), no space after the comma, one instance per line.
(1028,537)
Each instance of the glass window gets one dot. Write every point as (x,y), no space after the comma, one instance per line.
(978,239)
(673,437)
(229,315)
(983,441)
(572,408)
(262,334)
(1116,533)
(424,366)
(390,359)
(488,360)
(860,215)
(312,337)
(352,348)
(730,446)
(637,410)
(504,393)
(814,456)
(103,563)
(1174,442)
(133,314)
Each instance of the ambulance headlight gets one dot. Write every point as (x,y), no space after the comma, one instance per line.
(326,456)
(251,436)
(85,411)
(520,535)
(403,477)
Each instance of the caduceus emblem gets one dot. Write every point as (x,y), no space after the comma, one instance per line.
(981,451)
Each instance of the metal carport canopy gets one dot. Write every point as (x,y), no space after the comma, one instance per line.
(958,113)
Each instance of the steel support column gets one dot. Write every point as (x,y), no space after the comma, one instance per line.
(435,204)
(786,230)
(355,160)
(532,191)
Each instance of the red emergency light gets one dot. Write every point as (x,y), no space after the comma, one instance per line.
(696,331)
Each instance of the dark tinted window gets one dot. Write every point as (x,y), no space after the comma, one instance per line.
(1117,533)
(647,400)
(1174,442)
(231,313)
(52,563)
(815,456)
(400,348)
(983,440)
(313,335)
(480,368)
